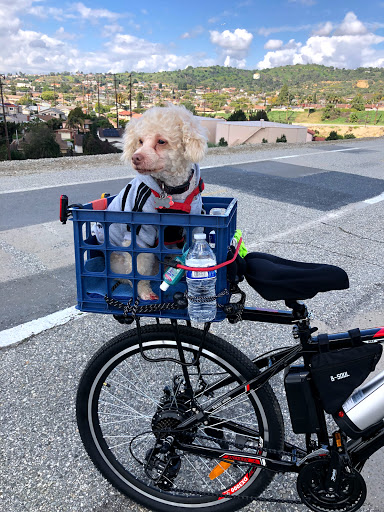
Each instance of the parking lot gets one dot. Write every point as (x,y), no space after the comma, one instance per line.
(319,204)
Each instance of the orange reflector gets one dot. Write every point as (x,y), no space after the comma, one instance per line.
(219,469)
(338,439)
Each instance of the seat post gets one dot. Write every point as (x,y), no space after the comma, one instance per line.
(299,309)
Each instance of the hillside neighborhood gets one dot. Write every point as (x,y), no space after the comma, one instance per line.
(87,113)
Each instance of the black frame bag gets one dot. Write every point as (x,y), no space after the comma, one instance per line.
(337,373)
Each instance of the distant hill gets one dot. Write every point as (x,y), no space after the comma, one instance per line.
(310,77)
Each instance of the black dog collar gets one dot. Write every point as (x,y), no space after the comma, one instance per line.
(180,189)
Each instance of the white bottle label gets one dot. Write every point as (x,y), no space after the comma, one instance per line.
(203,274)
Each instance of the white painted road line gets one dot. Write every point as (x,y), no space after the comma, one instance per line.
(375,199)
(281,157)
(76,183)
(24,331)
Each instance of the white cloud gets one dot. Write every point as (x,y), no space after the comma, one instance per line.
(267,31)
(62,34)
(324,29)
(110,30)
(36,52)
(235,42)
(192,33)
(94,14)
(273,44)
(349,46)
(351,26)
(233,46)
(234,63)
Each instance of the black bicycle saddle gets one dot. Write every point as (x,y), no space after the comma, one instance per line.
(276,278)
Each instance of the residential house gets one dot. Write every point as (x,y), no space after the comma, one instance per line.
(10,108)
(66,133)
(112,135)
(54,112)
(78,143)
(65,145)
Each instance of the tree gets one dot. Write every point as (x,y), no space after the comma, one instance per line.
(139,99)
(284,97)
(41,143)
(358,103)
(189,106)
(49,96)
(238,115)
(76,118)
(101,122)
(54,123)
(182,85)
(92,145)
(259,114)
(330,112)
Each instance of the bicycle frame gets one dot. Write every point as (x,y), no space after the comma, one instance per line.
(359,450)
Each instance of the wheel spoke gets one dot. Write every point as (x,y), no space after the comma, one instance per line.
(132,420)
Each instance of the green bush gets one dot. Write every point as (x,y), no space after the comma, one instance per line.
(349,136)
(223,142)
(353,118)
(283,138)
(264,141)
(17,155)
(333,135)
(330,112)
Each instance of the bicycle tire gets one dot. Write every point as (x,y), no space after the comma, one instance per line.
(100,398)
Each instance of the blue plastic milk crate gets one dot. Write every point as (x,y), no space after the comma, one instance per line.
(95,279)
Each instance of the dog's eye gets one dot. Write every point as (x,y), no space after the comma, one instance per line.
(161,141)
(140,141)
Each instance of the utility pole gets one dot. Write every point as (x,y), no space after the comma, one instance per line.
(130,96)
(98,95)
(5,120)
(117,109)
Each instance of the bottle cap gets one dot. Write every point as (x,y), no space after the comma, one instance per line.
(200,236)
(164,286)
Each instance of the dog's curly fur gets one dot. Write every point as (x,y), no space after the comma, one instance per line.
(163,143)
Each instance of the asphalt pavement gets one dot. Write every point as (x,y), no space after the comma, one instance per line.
(310,203)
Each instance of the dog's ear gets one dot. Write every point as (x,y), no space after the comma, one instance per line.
(129,141)
(194,141)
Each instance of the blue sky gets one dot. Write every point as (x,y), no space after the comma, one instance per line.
(39,36)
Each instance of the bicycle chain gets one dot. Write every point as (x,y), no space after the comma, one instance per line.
(233,496)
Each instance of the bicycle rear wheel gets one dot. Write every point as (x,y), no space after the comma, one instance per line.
(125,403)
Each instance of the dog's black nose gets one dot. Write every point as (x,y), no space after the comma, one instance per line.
(136,159)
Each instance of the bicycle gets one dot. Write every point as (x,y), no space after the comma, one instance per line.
(179,419)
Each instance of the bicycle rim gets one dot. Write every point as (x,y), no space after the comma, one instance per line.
(124,394)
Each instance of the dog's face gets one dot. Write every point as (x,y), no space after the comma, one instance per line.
(165,140)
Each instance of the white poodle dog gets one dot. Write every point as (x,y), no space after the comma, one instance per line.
(163,146)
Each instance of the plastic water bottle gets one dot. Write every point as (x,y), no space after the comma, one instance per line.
(201,284)
(212,234)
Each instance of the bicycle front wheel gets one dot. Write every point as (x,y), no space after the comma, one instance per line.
(127,406)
